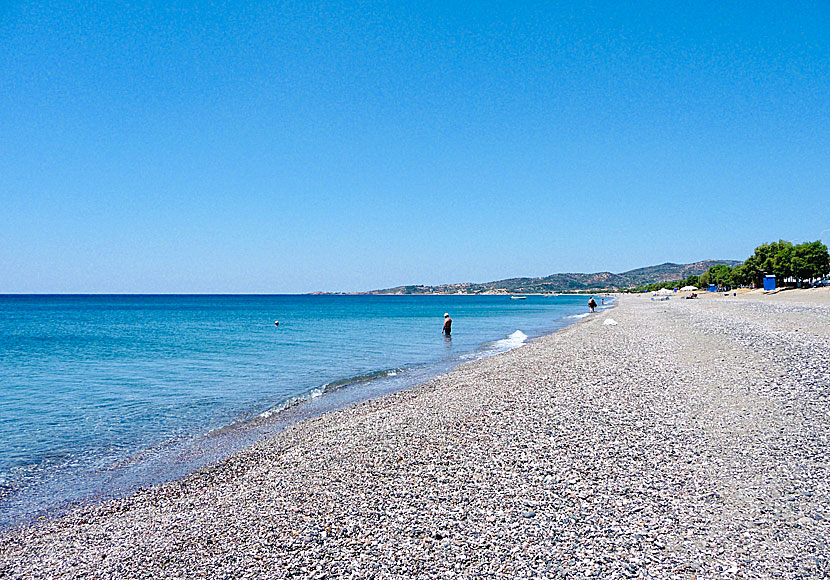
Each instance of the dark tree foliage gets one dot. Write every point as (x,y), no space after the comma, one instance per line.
(720,275)
(810,260)
(743,275)
(803,262)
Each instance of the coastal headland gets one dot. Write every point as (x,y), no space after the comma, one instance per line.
(688,440)
(562,283)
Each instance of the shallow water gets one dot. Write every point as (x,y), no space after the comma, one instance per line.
(101,394)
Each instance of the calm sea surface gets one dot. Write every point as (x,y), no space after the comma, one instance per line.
(101,394)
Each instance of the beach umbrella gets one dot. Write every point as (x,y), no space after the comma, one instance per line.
(664,292)
(689,288)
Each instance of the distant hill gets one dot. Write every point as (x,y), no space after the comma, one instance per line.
(570,282)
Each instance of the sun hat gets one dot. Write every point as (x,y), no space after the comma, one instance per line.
(446,314)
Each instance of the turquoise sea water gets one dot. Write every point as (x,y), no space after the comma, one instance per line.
(101,394)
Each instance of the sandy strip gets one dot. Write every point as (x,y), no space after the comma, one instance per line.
(690,440)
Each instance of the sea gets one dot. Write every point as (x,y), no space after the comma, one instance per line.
(103,394)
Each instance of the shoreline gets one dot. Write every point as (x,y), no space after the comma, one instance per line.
(171,460)
(679,442)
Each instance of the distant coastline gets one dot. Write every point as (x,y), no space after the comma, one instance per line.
(561,283)
(497,292)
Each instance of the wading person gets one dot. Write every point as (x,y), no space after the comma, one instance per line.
(592,304)
(447,330)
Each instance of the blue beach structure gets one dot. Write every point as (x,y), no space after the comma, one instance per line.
(769,283)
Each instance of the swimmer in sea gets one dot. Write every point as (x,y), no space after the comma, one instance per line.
(447,330)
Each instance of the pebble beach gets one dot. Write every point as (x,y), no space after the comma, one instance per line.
(690,439)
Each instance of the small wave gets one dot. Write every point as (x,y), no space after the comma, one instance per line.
(579,315)
(359,379)
(329,387)
(312,394)
(514,340)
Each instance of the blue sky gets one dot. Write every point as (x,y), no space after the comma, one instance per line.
(294,147)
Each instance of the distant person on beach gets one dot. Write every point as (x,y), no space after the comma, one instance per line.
(592,304)
(447,324)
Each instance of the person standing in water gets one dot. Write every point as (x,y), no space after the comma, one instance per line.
(592,304)
(447,330)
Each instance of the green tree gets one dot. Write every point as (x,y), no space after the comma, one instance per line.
(721,274)
(743,275)
(809,260)
(773,258)
(751,272)
(806,261)
(784,260)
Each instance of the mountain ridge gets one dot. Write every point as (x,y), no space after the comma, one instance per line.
(567,281)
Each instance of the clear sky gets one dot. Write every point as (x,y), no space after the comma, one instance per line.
(294,147)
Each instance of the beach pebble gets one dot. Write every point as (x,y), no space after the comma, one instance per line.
(694,444)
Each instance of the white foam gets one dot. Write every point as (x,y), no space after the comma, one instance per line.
(514,340)
(579,315)
(312,394)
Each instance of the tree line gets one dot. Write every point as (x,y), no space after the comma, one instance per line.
(799,263)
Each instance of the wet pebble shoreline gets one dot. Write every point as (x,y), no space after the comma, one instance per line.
(688,441)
